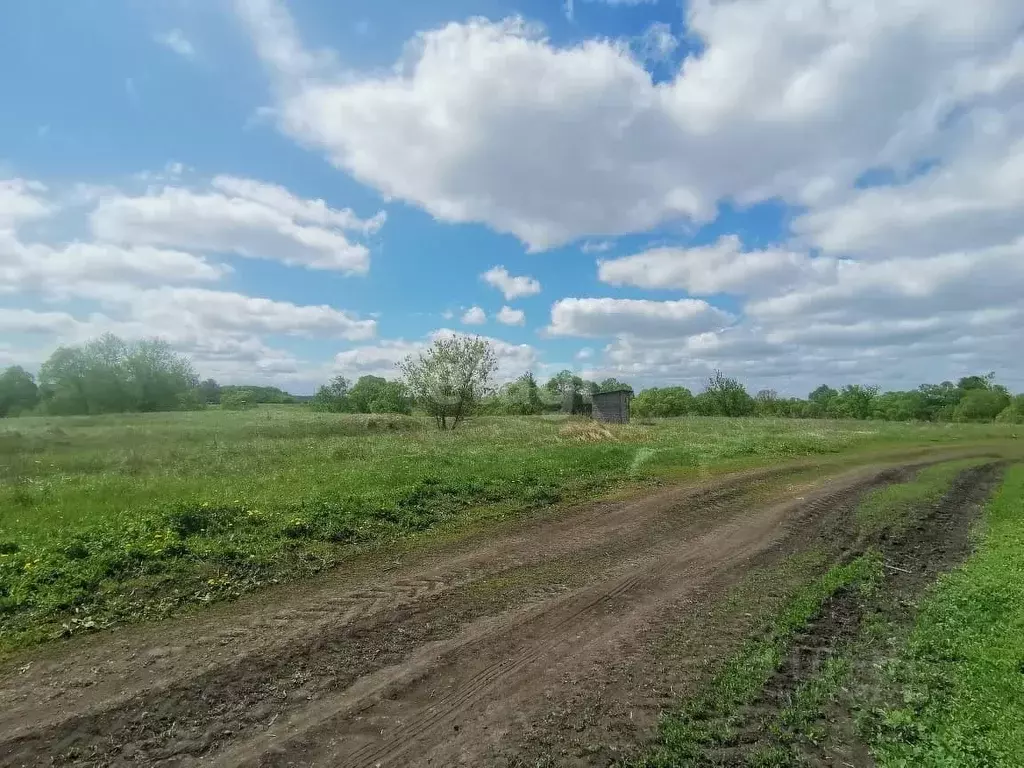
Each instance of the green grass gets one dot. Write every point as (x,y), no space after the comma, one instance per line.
(708,720)
(959,678)
(891,507)
(805,715)
(111,519)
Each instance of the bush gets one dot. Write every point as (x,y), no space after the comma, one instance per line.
(1012,414)
(981,405)
(192,400)
(664,402)
(724,396)
(333,397)
(109,375)
(237,401)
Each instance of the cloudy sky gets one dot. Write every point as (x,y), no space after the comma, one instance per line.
(795,191)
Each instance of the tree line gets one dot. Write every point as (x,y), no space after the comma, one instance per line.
(451,381)
(107,375)
(523,397)
(110,375)
(971,399)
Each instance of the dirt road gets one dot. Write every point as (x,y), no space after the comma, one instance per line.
(540,639)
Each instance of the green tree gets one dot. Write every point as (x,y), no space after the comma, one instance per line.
(822,396)
(18,391)
(209,391)
(565,385)
(158,378)
(364,391)
(663,402)
(612,385)
(900,406)
(62,387)
(724,396)
(521,397)
(451,378)
(108,375)
(981,405)
(565,382)
(106,383)
(940,400)
(974,383)
(393,397)
(333,397)
(853,402)
(375,394)
(1013,413)
(767,403)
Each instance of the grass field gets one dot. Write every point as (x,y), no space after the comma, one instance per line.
(120,518)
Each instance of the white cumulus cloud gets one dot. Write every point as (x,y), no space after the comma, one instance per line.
(722,267)
(136,288)
(513,287)
(489,121)
(21,201)
(474,316)
(240,216)
(643,318)
(382,358)
(510,316)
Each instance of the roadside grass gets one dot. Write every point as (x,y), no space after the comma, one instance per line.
(956,687)
(113,519)
(708,720)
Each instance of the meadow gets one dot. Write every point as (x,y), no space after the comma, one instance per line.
(118,518)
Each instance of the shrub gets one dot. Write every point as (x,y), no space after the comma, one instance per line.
(1012,414)
(237,401)
(981,405)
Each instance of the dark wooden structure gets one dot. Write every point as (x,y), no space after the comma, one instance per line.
(574,403)
(612,407)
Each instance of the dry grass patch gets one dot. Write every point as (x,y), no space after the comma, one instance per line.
(585,431)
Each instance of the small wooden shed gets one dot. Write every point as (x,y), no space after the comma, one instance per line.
(612,407)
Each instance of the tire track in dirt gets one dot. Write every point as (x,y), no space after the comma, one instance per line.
(328,653)
(297,615)
(195,709)
(936,542)
(503,670)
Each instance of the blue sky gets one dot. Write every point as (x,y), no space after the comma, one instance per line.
(796,192)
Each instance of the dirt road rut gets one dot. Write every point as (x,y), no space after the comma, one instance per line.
(457,656)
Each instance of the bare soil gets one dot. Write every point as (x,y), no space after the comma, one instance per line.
(535,642)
